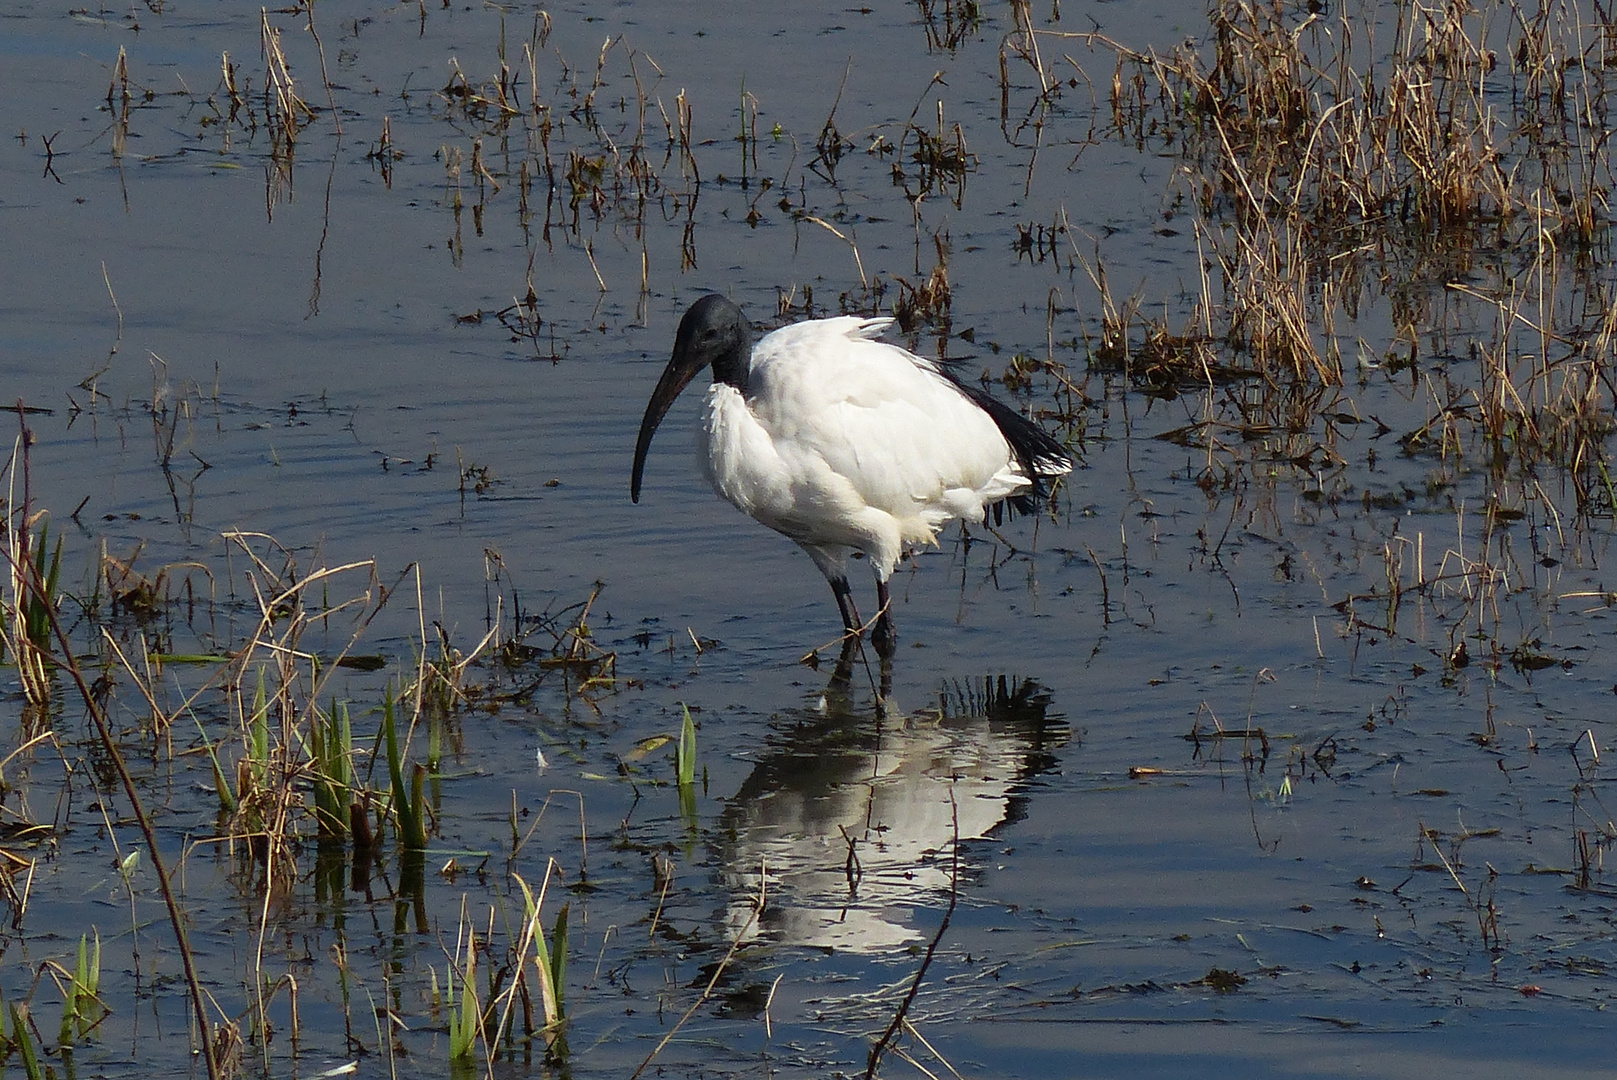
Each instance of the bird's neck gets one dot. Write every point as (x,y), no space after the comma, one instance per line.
(733,365)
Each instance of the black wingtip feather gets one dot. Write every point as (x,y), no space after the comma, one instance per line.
(1036,451)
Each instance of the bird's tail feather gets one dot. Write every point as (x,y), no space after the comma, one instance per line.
(1041,457)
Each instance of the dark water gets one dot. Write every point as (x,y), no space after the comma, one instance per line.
(297,338)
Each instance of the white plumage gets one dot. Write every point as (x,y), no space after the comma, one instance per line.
(844,443)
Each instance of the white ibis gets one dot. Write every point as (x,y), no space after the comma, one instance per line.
(844,443)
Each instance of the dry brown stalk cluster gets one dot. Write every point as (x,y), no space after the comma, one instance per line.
(1420,189)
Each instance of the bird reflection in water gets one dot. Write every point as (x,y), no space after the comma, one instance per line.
(855,811)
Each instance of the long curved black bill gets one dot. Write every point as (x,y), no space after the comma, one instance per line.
(676,376)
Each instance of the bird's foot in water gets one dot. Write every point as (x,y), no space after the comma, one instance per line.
(852,647)
(842,674)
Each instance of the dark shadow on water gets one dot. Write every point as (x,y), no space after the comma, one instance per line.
(851,816)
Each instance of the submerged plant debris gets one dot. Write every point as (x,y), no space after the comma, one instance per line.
(354,721)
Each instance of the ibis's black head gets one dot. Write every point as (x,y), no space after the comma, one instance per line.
(713,334)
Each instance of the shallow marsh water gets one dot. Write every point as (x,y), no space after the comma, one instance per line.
(310,342)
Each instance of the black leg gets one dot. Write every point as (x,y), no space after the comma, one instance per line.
(850,614)
(882,637)
(842,675)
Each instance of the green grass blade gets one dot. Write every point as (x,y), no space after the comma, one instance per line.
(685,750)
(23,1041)
(558,961)
(412,833)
